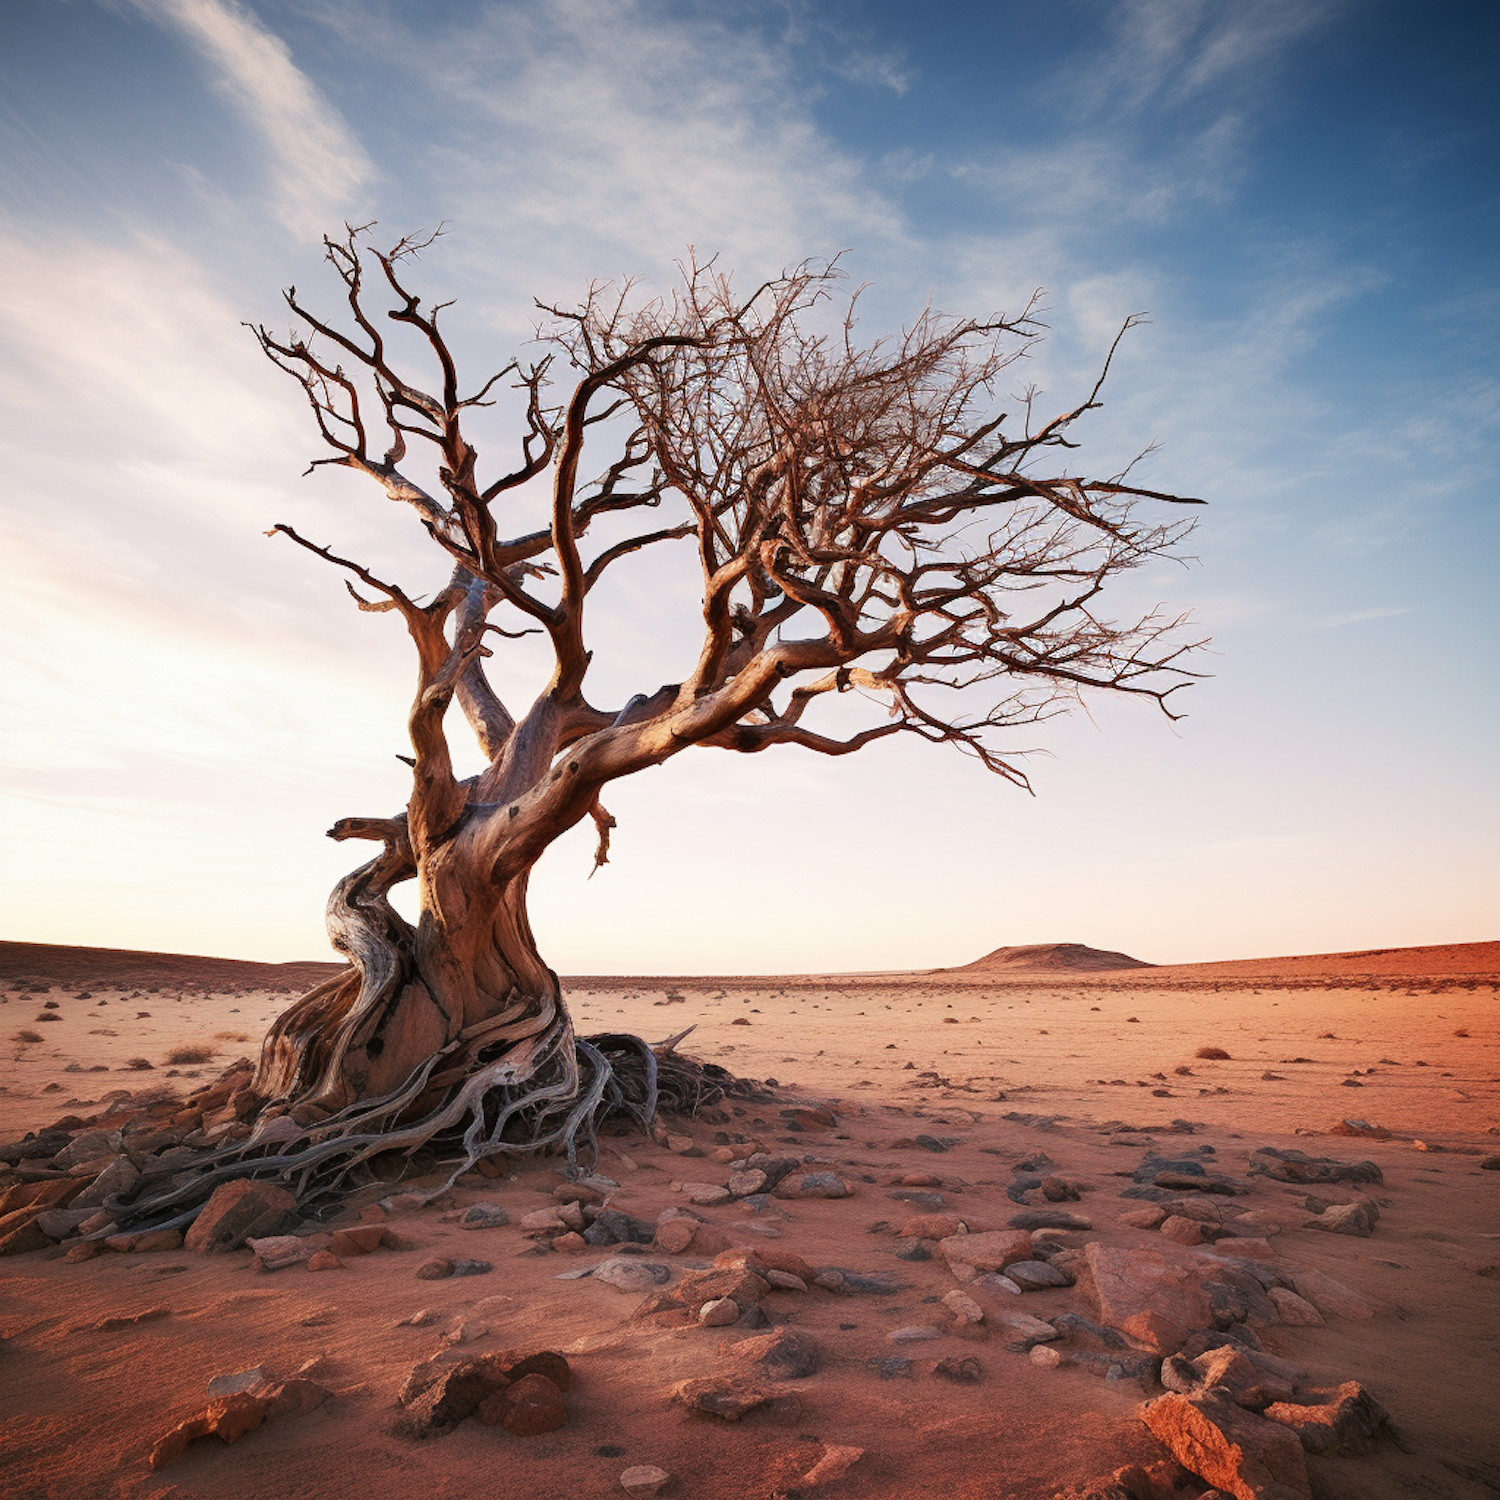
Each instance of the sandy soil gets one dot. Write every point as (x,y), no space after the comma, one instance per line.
(1009,1067)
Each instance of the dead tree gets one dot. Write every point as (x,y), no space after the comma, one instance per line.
(860,519)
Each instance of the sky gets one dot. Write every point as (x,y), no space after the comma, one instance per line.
(1300,193)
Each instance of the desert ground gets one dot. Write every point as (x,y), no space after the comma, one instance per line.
(1031,1083)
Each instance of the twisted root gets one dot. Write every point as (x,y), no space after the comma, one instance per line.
(554,1098)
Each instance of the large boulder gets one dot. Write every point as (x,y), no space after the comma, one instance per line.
(1155,1298)
(236,1212)
(1347,1421)
(1228,1447)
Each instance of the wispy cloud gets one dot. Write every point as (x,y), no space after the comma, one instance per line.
(1359,616)
(317,166)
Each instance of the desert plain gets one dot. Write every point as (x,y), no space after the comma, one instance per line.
(1032,1094)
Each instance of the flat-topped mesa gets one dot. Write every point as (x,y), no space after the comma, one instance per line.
(1054,958)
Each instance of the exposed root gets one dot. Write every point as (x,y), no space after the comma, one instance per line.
(556,1100)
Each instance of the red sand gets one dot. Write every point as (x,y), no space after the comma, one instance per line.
(83,1406)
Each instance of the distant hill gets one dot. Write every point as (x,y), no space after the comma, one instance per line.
(1052,958)
(62,964)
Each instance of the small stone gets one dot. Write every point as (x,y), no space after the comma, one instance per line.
(1294,1309)
(963,1307)
(1036,1275)
(966,1371)
(543,1219)
(435,1270)
(1182,1231)
(932,1227)
(358,1239)
(706,1194)
(1348,1218)
(742,1184)
(1332,1298)
(484,1216)
(571,1243)
(682,1145)
(471,1267)
(675,1235)
(575,1192)
(1049,1218)
(1027,1328)
(814,1185)
(836,1461)
(421,1319)
(721,1397)
(627,1275)
(643,1480)
(228,1385)
(324,1260)
(277,1252)
(1045,1356)
(157,1239)
(719,1313)
(532,1405)
(1143,1218)
(782,1354)
(992,1251)
(914,1333)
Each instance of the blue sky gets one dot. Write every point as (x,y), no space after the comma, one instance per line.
(1302,195)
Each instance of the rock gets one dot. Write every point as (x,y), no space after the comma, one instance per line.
(435,1270)
(643,1480)
(674,1236)
(1046,1356)
(1242,1454)
(1236,1371)
(1348,1422)
(929,1201)
(570,1243)
(784,1281)
(613,1227)
(277,1252)
(742,1184)
(117,1178)
(59,1223)
(1250,1247)
(1348,1218)
(991,1251)
(1294,1309)
(324,1260)
(243,1380)
(835,1461)
(719,1313)
(781,1354)
(682,1145)
(706,1194)
(156,1239)
(530,1406)
(1027,1329)
(1258,1221)
(358,1239)
(963,1307)
(914,1333)
(993,1281)
(1182,1231)
(574,1192)
(1036,1275)
(471,1267)
(628,1275)
(722,1397)
(966,1371)
(91,1145)
(1049,1218)
(440,1393)
(486,1216)
(1361,1128)
(237,1210)
(932,1227)
(1143,1218)
(1147,1294)
(1201,1210)
(1055,1190)
(1332,1298)
(814,1185)
(915,1250)
(230,1417)
(697,1287)
(1297,1166)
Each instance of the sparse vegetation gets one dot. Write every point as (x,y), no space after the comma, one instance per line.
(25,1038)
(198,1052)
(1212,1054)
(228,1036)
(139,1065)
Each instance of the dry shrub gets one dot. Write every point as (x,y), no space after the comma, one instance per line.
(1212,1054)
(49,1015)
(139,1065)
(229,1036)
(25,1037)
(197,1052)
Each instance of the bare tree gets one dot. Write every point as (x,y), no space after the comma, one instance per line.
(863,520)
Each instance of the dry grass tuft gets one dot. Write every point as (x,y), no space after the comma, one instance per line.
(25,1037)
(231,1036)
(139,1065)
(1212,1054)
(198,1052)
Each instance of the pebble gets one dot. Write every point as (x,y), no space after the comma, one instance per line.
(471,1267)
(1294,1309)
(836,1461)
(914,1333)
(629,1275)
(324,1260)
(242,1380)
(435,1270)
(484,1216)
(966,1371)
(1046,1356)
(706,1194)
(963,1307)
(675,1235)
(719,1313)
(742,1184)
(643,1479)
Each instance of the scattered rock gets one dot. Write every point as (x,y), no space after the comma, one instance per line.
(470,1267)
(719,1313)
(235,1212)
(1049,1218)
(632,1275)
(1297,1166)
(530,1406)
(1143,1218)
(675,1235)
(1294,1309)
(324,1260)
(230,1417)
(742,1184)
(706,1194)
(726,1398)
(991,1251)
(643,1480)
(836,1461)
(243,1380)
(814,1185)
(487,1216)
(1228,1447)
(914,1333)
(1182,1231)
(966,1371)
(437,1269)
(1036,1275)
(964,1308)
(1348,1218)
(277,1252)
(781,1355)
(1147,1294)
(932,1227)
(1347,1422)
